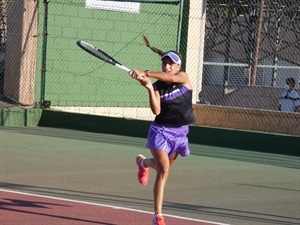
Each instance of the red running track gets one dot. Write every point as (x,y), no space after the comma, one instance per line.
(18,208)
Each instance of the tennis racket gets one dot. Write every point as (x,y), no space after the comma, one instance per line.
(101,55)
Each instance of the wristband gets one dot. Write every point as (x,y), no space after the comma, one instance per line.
(147,73)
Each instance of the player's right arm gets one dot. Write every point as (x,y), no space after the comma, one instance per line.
(154,100)
(154,97)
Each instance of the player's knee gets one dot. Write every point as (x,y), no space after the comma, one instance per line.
(163,171)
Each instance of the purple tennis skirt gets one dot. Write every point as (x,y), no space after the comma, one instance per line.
(169,139)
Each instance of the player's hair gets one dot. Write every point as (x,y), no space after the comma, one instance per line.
(291,81)
(156,50)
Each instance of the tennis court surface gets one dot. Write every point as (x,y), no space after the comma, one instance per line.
(59,176)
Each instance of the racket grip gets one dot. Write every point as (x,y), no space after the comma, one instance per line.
(123,67)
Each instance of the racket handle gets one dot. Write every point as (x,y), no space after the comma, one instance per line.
(123,67)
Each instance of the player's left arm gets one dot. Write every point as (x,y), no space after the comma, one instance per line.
(179,78)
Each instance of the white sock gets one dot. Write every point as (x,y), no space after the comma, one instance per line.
(142,163)
(158,215)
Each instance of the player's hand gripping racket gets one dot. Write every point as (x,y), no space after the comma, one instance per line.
(101,55)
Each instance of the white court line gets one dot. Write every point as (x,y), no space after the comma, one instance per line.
(108,206)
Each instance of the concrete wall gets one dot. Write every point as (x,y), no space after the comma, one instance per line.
(255,97)
(21,45)
(248,119)
(195,44)
(20,117)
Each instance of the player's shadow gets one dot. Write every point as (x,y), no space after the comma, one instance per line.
(138,203)
(21,203)
(20,206)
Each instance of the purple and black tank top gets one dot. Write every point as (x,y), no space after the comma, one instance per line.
(176,105)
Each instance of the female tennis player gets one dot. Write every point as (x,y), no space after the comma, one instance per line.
(170,99)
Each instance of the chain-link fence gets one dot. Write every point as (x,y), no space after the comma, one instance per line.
(247,43)
(238,54)
(74,78)
(18,27)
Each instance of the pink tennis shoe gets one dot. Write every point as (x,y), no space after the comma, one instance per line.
(143,173)
(158,220)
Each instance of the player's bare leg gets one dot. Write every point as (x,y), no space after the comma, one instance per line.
(162,166)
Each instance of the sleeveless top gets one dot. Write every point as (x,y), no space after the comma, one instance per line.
(176,105)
